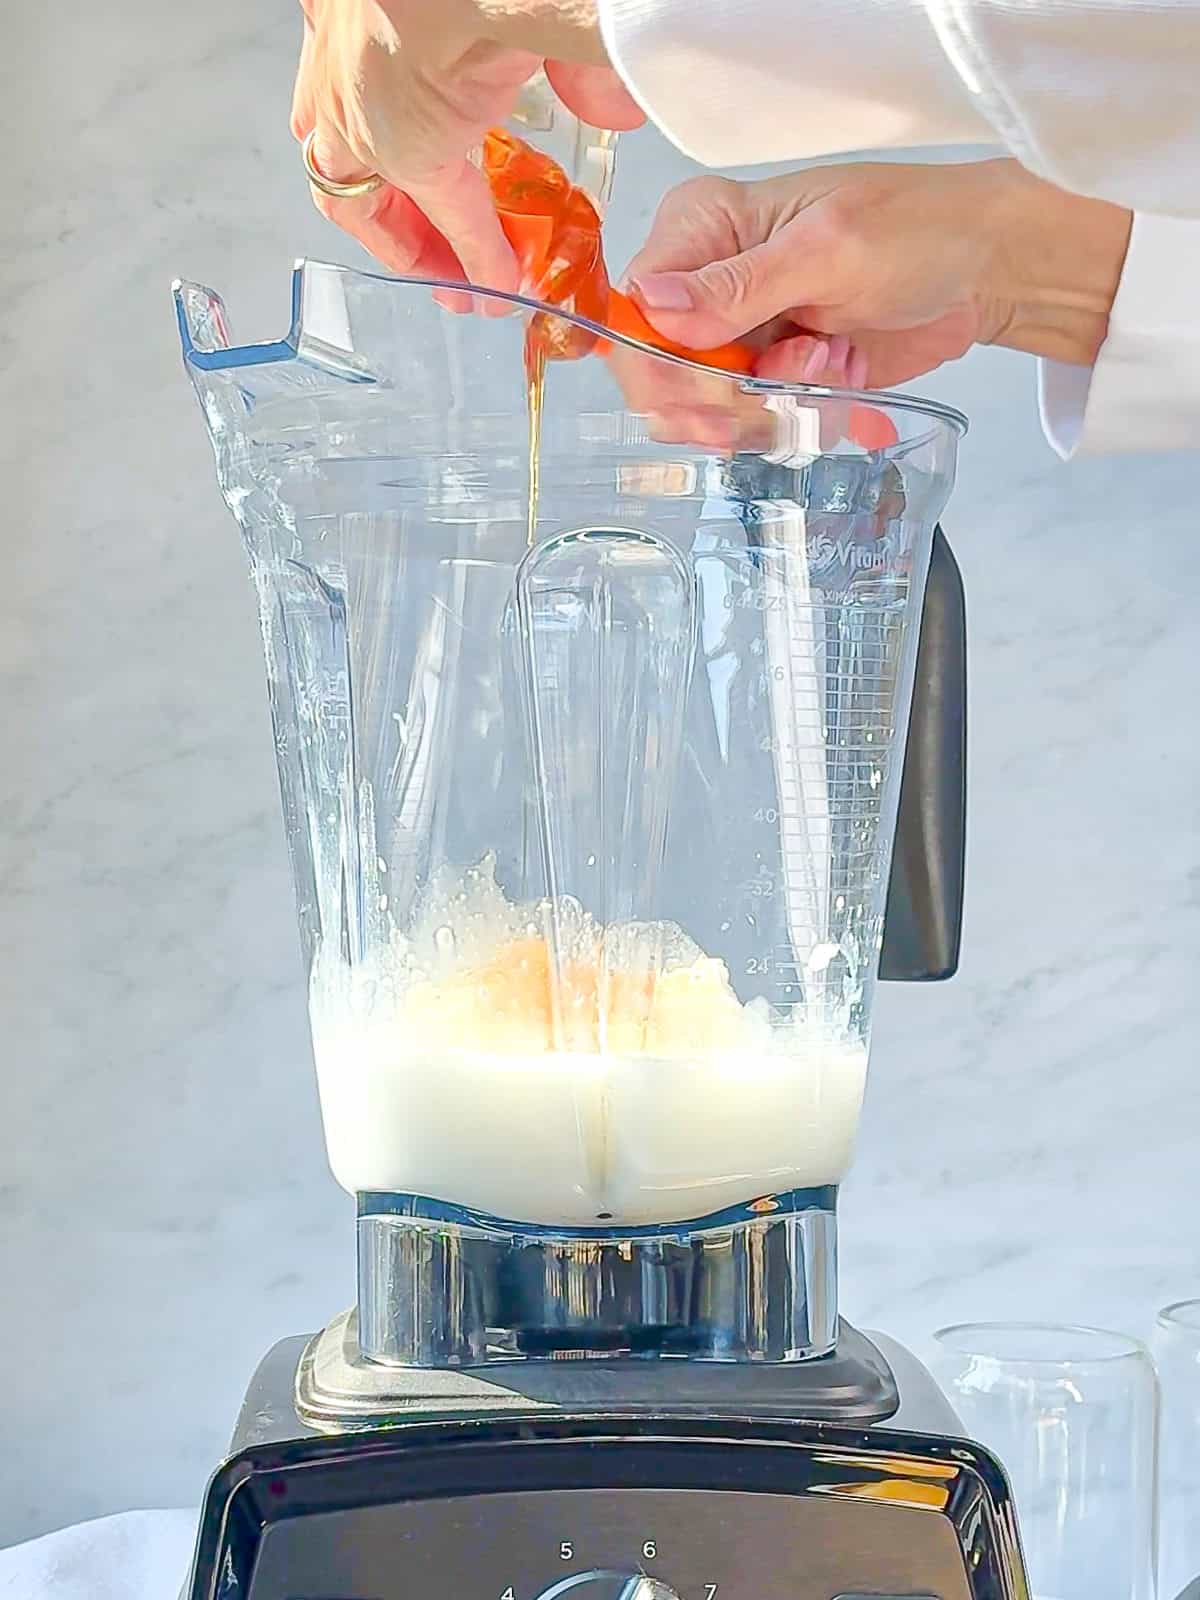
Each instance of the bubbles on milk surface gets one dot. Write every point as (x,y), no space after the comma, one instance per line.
(480,972)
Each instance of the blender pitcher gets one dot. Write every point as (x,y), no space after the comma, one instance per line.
(591,685)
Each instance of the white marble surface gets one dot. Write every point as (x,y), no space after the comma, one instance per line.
(1031,1139)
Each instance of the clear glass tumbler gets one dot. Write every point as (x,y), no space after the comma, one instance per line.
(1176,1348)
(1072,1414)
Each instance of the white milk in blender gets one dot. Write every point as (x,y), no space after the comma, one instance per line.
(468,1065)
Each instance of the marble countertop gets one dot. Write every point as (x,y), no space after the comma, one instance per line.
(1031,1135)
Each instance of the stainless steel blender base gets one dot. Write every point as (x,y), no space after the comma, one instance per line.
(439,1286)
(337,1390)
(601,1478)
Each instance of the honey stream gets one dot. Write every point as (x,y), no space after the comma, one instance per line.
(535,393)
(554,230)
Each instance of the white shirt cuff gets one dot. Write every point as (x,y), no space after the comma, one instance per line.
(740,82)
(1144,391)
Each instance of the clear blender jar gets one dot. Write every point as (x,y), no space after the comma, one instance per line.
(591,689)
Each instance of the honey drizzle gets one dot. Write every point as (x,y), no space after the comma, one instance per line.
(535,389)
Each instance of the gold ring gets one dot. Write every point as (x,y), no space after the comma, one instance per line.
(339,191)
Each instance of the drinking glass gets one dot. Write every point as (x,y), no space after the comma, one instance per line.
(1072,1415)
(1176,1348)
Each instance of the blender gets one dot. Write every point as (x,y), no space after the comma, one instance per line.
(619,712)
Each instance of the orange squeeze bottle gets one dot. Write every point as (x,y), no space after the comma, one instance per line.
(554,230)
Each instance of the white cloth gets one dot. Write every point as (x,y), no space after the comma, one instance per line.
(1101,96)
(139,1555)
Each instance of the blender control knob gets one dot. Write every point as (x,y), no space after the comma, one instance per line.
(609,1586)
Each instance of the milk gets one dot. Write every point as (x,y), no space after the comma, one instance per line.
(586,1078)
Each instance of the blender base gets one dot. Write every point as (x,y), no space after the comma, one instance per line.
(554,1478)
(441,1286)
(337,1389)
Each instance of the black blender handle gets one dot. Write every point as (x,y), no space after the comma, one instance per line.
(922,927)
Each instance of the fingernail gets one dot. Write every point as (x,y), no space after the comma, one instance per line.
(839,349)
(460,304)
(856,371)
(818,360)
(663,291)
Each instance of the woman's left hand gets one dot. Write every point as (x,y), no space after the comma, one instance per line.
(874,274)
(407,88)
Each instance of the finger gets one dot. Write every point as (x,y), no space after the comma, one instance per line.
(596,95)
(696,222)
(706,410)
(893,358)
(400,238)
(726,299)
(303,109)
(870,360)
(461,304)
(459,204)
(839,355)
(386,222)
(803,359)
(334,159)
(405,236)
(651,384)
(722,429)
(399,235)
(701,428)
(358,215)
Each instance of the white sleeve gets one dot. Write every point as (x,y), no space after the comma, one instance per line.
(1100,96)
(1144,391)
